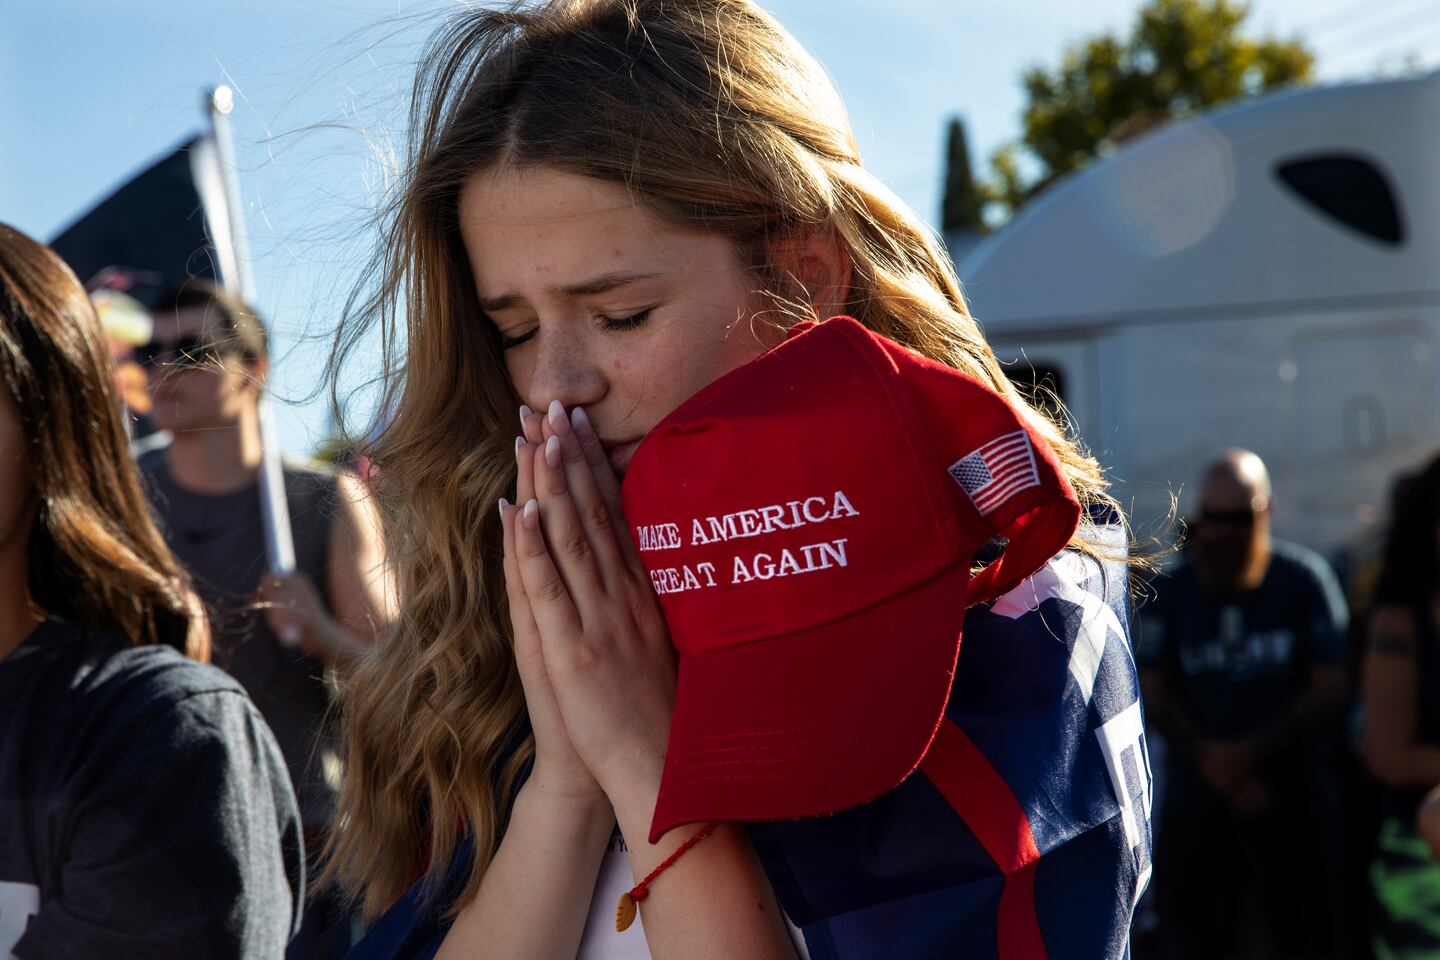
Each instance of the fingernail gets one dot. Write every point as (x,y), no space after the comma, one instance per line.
(503,505)
(519,442)
(524,415)
(530,514)
(558,421)
(552,453)
(581,420)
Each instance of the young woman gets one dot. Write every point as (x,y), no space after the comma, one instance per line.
(611,204)
(146,808)
(1401,692)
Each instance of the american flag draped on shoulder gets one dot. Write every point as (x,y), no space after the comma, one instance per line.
(1026,833)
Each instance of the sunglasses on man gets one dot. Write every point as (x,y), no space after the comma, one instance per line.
(1228,518)
(189,352)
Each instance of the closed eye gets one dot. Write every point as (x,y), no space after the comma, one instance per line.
(507,342)
(612,324)
(625,323)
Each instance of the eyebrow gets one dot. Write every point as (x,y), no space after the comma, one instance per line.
(588,288)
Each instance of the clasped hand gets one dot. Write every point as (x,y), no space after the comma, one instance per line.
(591,643)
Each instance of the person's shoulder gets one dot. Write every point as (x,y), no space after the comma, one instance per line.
(309,478)
(109,675)
(1300,562)
(1179,573)
(166,673)
(309,469)
(150,457)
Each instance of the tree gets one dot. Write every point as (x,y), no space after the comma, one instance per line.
(1182,57)
(960,210)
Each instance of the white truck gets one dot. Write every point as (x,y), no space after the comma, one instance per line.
(1264,276)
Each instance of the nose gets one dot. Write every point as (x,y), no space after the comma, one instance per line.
(563,368)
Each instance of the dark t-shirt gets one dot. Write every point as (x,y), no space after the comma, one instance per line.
(145,811)
(1235,664)
(221,541)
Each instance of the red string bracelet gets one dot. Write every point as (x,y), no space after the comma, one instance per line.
(626,909)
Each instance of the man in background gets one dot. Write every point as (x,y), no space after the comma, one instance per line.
(1242,655)
(282,637)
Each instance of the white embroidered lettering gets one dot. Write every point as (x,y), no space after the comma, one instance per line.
(682,578)
(657,536)
(835,551)
(774,518)
(842,507)
(764,566)
(741,573)
(708,569)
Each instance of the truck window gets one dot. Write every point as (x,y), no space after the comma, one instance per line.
(1348,188)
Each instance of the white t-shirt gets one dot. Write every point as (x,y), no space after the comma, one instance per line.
(601,941)
(18,902)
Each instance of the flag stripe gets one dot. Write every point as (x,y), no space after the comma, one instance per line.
(993,498)
(980,796)
(990,809)
(1017,437)
(990,504)
(1009,446)
(1008,461)
(1017,928)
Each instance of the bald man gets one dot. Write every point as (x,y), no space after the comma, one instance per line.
(1242,656)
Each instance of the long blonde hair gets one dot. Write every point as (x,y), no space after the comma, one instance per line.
(714,117)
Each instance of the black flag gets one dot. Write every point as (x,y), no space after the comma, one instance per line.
(155,230)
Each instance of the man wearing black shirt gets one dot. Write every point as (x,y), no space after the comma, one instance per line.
(208,362)
(1242,653)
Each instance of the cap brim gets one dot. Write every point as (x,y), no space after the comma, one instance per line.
(813,722)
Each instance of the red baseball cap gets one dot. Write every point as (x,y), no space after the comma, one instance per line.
(810,522)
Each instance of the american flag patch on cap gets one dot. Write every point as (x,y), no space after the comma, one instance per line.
(997,471)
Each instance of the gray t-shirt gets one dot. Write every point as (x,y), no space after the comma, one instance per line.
(145,811)
(221,541)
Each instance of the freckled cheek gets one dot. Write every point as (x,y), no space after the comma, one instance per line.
(520,371)
(648,379)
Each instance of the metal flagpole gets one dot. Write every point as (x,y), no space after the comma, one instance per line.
(274,509)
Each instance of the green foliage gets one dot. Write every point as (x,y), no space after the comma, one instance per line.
(1182,57)
(960,209)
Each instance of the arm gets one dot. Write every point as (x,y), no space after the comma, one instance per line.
(360,587)
(607,651)
(713,902)
(535,896)
(183,840)
(1328,689)
(1428,821)
(1165,714)
(1320,705)
(1391,712)
(1157,661)
(360,580)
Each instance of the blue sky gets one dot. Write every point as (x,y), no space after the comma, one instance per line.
(91,91)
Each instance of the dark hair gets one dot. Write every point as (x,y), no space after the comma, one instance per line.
(96,557)
(243,332)
(1410,571)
